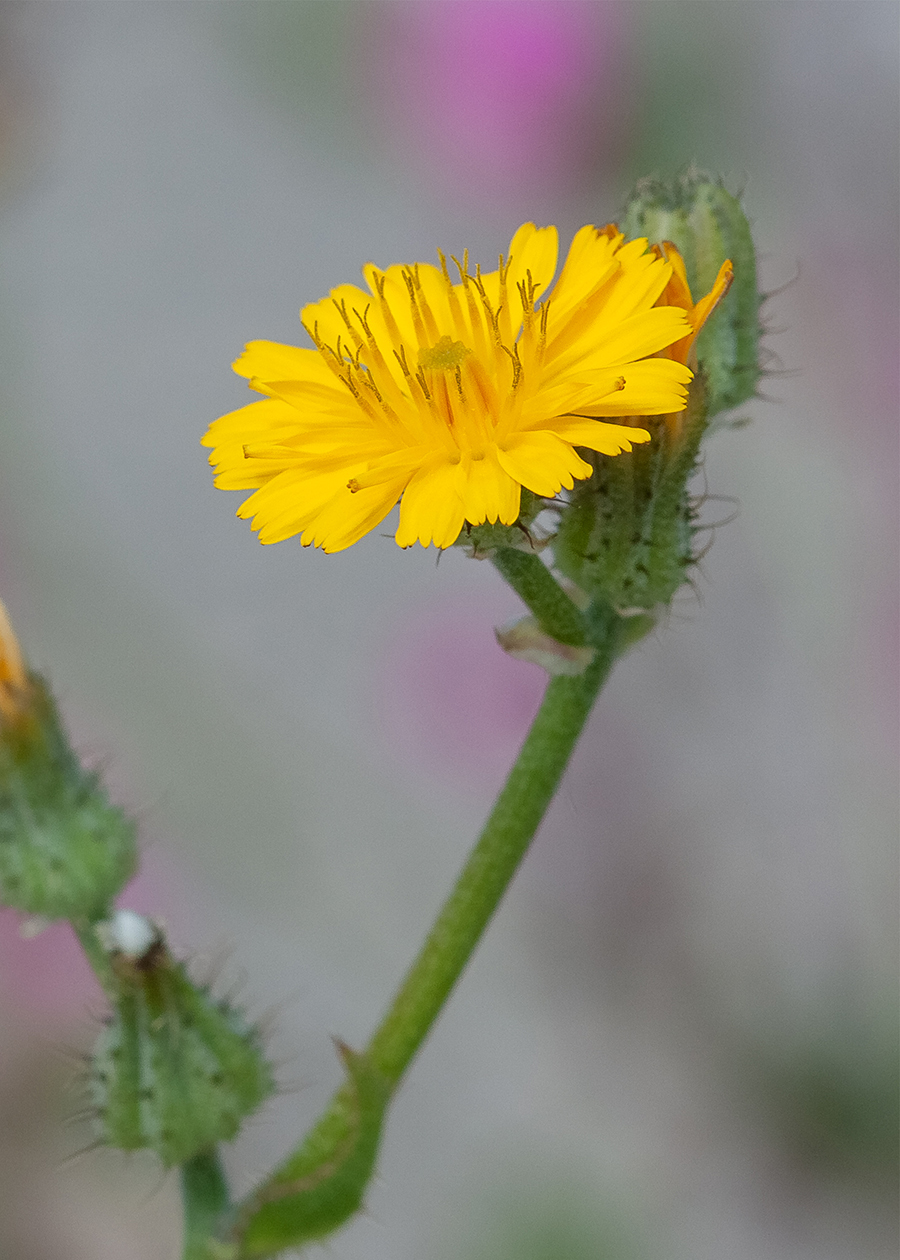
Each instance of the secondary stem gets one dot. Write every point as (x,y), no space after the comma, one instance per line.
(536,586)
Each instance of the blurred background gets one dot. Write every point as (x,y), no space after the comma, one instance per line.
(678,1040)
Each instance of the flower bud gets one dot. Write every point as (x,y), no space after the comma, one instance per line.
(626,534)
(707,225)
(65,851)
(174,1070)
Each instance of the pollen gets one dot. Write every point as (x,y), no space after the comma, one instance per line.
(446,356)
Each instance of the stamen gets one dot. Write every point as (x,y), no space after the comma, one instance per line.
(455,309)
(364,320)
(542,333)
(369,382)
(418,322)
(393,331)
(342,311)
(481,343)
(463,268)
(400,356)
(459,386)
(517,364)
(328,354)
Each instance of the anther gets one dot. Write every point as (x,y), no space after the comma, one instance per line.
(400,356)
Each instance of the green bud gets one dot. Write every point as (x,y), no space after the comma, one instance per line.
(65,851)
(707,225)
(174,1070)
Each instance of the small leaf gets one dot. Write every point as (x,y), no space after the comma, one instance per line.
(322,1184)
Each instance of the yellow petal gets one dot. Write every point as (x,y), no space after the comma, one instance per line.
(533,250)
(431,509)
(708,304)
(543,462)
(347,517)
(591,259)
(487,490)
(619,344)
(272,361)
(608,439)
(269,416)
(653,387)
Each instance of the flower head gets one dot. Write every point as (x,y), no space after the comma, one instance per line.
(453,396)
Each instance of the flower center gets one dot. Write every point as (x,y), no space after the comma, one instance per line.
(444,356)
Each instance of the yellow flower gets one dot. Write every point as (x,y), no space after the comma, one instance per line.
(451,397)
(15,690)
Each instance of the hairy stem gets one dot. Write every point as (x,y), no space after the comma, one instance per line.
(536,586)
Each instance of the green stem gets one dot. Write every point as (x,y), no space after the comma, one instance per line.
(536,586)
(515,818)
(97,956)
(204,1194)
(323,1181)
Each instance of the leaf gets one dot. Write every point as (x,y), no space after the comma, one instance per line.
(322,1184)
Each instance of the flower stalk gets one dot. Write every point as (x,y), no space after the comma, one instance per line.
(471,404)
(555,611)
(290,1208)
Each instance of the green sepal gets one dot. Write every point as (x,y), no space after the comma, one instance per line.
(65,850)
(322,1185)
(707,225)
(627,534)
(483,541)
(174,1071)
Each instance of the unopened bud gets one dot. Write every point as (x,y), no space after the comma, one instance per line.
(707,226)
(65,851)
(174,1071)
